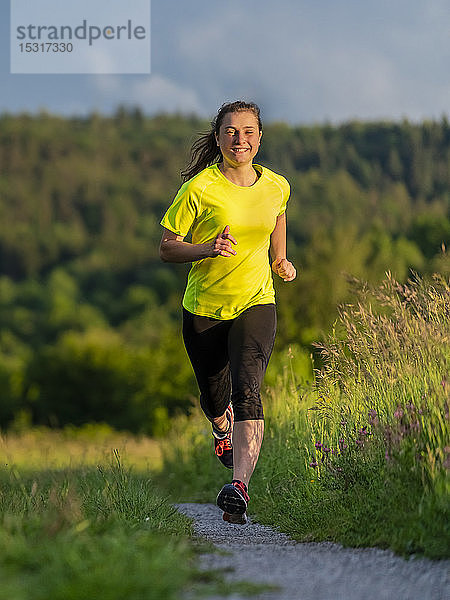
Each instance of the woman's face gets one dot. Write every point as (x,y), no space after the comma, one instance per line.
(239,138)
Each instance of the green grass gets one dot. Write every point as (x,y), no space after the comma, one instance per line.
(94,532)
(78,521)
(362,456)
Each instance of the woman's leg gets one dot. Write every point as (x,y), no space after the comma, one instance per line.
(247,440)
(250,344)
(206,344)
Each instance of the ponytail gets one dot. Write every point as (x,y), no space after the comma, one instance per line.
(205,151)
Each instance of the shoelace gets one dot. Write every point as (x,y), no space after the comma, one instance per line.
(223,445)
(240,485)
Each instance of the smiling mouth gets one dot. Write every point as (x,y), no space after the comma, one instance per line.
(239,150)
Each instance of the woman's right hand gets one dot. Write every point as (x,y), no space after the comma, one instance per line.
(222,244)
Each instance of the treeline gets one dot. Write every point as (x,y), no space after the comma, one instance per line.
(89,316)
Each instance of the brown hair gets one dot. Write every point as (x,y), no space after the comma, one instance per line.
(205,151)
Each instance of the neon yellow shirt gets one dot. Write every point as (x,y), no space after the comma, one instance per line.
(223,287)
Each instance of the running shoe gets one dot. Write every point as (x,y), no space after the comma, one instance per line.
(233,498)
(235,519)
(223,447)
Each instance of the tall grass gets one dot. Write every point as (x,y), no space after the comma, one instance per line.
(386,377)
(89,532)
(362,456)
(72,534)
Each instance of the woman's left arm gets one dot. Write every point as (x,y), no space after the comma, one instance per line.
(280,264)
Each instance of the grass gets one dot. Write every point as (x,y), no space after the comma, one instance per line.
(75,522)
(72,447)
(86,532)
(362,456)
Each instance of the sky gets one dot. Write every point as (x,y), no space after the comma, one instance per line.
(302,61)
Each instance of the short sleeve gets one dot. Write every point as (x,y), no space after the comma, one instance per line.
(286,190)
(181,213)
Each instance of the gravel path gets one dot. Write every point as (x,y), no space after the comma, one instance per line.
(312,571)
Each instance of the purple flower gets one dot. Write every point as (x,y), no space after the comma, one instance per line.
(325,449)
(398,414)
(359,443)
(318,445)
(342,444)
(373,413)
(313,464)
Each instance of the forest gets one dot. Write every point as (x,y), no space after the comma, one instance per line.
(90,316)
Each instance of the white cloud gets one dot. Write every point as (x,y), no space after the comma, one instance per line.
(306,62)
(153,93)
(302,61)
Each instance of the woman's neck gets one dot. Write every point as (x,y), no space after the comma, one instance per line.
(244,175)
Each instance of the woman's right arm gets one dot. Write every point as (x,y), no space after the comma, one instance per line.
(173,248)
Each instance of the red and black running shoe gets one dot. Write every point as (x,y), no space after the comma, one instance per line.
(233,498)
(223,446)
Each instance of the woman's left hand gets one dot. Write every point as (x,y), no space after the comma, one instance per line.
(284,268)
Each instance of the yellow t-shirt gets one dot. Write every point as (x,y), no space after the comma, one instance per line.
(223,287)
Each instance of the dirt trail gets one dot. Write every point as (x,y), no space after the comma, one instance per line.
(313,571)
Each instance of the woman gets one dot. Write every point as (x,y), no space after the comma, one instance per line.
(235,211)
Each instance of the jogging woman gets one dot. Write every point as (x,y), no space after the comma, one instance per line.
(235,211)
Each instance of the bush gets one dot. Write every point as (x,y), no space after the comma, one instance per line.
(95,377)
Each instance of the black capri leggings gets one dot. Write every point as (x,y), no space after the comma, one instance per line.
(230,358)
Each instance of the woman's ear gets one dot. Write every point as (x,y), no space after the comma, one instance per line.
(217,138)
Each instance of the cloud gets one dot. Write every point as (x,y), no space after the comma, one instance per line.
(154,94)
(303,62)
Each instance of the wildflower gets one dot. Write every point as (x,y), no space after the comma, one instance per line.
(398,414)
(325,450)
(313,464)
(363,431)
(342,444)
(446,461)
(318,445)
(359,443)
(373,417)
(333,451)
